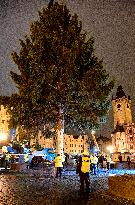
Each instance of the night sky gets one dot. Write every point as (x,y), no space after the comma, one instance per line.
(110,22)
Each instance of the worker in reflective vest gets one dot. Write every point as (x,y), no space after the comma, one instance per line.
(26,160)
(7,160)
(58,162)
(94,162)
(83,171)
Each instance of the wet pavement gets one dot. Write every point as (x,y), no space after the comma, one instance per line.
(39,187)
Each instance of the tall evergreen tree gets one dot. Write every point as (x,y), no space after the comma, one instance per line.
(59,75)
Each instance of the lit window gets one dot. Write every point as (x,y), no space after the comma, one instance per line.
(131,138)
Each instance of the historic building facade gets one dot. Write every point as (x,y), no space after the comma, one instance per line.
(72,144)
(123,136)
(4,124)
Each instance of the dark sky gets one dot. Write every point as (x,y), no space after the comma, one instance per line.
(110,22)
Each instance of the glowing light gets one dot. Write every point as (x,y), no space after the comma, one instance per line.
(3,137)
(110,148)
(93,132)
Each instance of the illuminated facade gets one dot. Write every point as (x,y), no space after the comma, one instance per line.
(4,125)
(72,144)
(44,142)
(123,136)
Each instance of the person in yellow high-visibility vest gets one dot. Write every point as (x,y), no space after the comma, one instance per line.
(83,171)
(26,160)
(58,163)
(94,162)
(7,160)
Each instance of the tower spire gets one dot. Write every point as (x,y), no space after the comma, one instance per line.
(120,93)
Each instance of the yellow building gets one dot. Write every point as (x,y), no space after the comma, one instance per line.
(123,136)
(73,144)
(4,125)
(44,142)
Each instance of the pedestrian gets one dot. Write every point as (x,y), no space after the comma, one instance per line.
(7,160)
(91,165)
(100,160)
(2,161)
(26,160)
(108,161)
(120,158)
(83,169)
(94,162)
(58,163)
(66,159)
(128,161)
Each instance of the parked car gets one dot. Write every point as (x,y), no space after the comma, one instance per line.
(46,153)
(37,160)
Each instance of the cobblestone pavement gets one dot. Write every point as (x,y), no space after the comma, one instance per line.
(35,187)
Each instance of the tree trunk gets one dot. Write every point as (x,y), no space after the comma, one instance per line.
(60,133)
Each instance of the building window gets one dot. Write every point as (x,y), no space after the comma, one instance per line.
(131,138)
(130,131)
(118,106)
(3,121)
(131,146)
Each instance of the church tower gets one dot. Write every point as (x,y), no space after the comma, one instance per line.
(121,106)
(123,139)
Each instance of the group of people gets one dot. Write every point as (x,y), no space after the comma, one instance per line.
(85,165)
